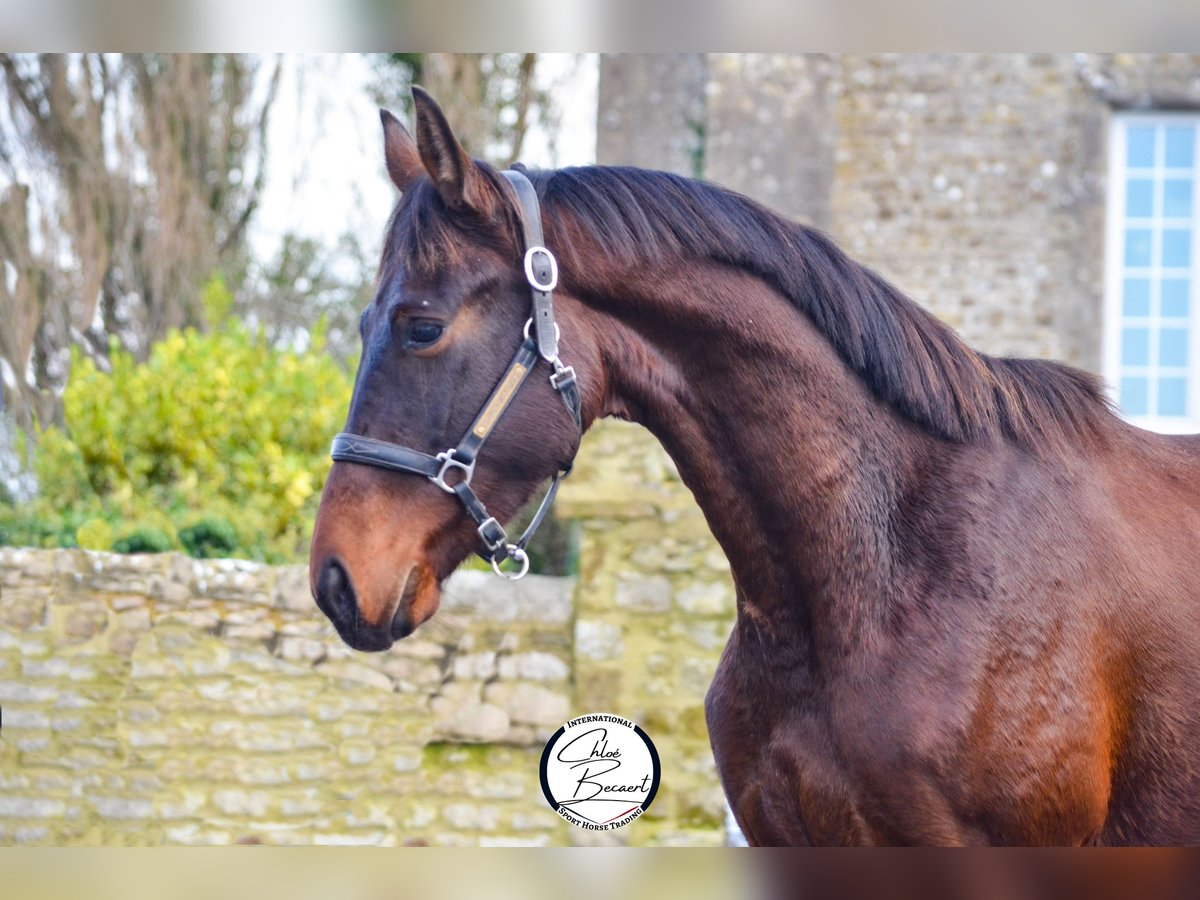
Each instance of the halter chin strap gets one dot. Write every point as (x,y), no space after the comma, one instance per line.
(453,469)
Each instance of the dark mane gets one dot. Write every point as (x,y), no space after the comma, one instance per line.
(907,357)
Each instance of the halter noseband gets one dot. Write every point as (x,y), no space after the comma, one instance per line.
(541,270)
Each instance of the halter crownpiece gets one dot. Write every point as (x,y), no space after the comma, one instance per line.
(541,271)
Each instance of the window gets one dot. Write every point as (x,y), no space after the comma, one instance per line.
(1152,335)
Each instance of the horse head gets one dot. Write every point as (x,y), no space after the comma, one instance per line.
(452,303)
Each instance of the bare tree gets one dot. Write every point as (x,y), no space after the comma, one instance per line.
(131,178)
(23,293)
(491,98)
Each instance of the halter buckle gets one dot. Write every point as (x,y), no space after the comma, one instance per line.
(492,534)
(563,375)
(531,275)
(448,463)
(515,553)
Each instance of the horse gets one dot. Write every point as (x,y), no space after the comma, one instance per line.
(967,592)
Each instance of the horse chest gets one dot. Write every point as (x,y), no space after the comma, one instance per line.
(782,757)
(807,763)
(775,759)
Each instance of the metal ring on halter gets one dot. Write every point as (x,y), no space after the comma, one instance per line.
(557,330)
(513,552)
(532,278)
(449,462)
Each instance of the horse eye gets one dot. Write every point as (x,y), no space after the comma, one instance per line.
(423,334)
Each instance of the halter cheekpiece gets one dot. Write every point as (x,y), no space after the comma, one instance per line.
(453,469)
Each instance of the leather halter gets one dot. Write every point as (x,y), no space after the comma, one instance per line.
(541,271)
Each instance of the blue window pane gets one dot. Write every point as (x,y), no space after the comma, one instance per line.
(1139,150)
(1179,151)
(1139,198)
(1136,297)
(1174,297)
(1135,347)
(1177,197)
(1176,247)
(1172,397)
(1135,393)
(1172,347)
(1137,247)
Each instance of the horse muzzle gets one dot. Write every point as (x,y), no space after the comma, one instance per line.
(335,595)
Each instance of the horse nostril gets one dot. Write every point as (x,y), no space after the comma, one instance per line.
(335,593)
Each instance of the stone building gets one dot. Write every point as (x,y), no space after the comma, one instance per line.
(1042,204)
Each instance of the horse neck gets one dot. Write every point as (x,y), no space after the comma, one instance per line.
(795,464)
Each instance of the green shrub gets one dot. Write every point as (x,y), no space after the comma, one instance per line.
(222,425)
(210,538)
(21,530)
(95,534)
(143,540)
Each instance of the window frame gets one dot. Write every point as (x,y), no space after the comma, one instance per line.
(1115,231)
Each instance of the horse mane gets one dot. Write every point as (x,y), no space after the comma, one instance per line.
(907,357)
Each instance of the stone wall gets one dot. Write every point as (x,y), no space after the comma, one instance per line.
(986,202)
(974,182)
(160,699)
(651,111)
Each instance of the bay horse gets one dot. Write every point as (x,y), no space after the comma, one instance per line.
(968,594)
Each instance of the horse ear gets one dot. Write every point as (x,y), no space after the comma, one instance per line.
(400,150)
(452,170)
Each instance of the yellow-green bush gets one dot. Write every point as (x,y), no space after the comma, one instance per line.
(216,436)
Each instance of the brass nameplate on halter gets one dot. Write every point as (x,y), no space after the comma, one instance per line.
(500,399)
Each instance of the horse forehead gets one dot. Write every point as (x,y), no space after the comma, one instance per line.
(404,287)
(411,295)
(441,287)
(425,245)
(407,297)
(451,263)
